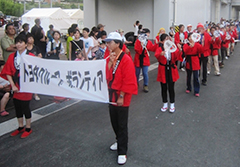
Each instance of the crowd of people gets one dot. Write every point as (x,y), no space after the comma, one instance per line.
(216,45)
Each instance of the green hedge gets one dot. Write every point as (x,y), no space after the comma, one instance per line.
(9,7)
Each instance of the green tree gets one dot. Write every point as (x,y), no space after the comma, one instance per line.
(8,7)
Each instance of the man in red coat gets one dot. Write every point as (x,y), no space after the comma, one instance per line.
(206,41)
(122,84)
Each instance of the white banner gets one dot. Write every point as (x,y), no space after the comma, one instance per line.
(84,80)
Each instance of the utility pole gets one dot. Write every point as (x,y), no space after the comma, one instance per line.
(51,3)
(24,6)
(174,12)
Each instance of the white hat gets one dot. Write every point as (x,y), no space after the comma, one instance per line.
(221,26)
(189,25)
(113,36)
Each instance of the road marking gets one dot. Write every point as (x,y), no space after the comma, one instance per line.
(12,124)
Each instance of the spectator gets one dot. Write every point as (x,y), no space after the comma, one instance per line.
(100,30)
(31,47)
(140,28)
(121,32)
(25,30)
(93,35)
(76,44)
(55,48)
(39,36)
(7,42)
(101,51)
(103,36)
(21,100)
(88,43)
(136,24)
(79,55)
(50,32)
(69,39)
(5,91)
(172,32)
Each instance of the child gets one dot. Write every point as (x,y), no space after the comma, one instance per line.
(88,43)
(192,51)
(55,48)
(167,72)
(79,55)
(69,39)
(141,59)
(21,100)
(101,51)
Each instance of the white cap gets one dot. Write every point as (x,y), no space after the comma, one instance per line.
(221,26)
(113,36)
(189,25)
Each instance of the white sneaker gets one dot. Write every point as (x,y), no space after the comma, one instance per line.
(37,98)
(182,69)
(114,146)
(218,74)
(172,110)
(226,57)
(208,73)
(122,159)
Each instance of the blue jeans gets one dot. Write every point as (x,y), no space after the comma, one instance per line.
(145,74)
(196,83)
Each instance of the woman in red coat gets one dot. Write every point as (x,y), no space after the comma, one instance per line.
(192,51)
(21,100)
(141,59)
(167,73)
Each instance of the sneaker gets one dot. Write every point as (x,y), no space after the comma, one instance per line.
(145,89)
(4,113)
(208,73)
(122,159)
(204,83)
(164,109)
(26,134)
(187,91)
(182,69)
(197,94)
(172,110)
(113,147)
(218,74)
(16,132)
(221,66)
(37,98)
(226,58)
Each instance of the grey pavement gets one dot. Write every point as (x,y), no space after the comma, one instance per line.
(203,132)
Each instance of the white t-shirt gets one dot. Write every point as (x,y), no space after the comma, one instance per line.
(182,37)
(88,43)
(136,31)
(123,39)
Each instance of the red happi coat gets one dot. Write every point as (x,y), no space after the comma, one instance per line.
(162,69)
(207,44)
(192,56)
(215,46)
(225,43)
(139,49)
(177,37)
(125,80)
(9,69)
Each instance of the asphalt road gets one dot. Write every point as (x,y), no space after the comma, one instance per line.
(203,132)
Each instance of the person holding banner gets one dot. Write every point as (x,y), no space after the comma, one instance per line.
(55,48)
(192,51)
(21,100)
(167,71)
(121,78)
(141,59)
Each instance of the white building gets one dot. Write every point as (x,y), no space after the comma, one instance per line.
(155,14)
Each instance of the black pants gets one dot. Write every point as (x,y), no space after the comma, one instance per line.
(223,53)
(22,108)
(169,86)
(119,121)
(203,62)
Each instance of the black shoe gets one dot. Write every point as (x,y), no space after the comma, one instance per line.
(204,83)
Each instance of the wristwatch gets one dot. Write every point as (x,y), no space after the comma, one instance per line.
(121,96)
